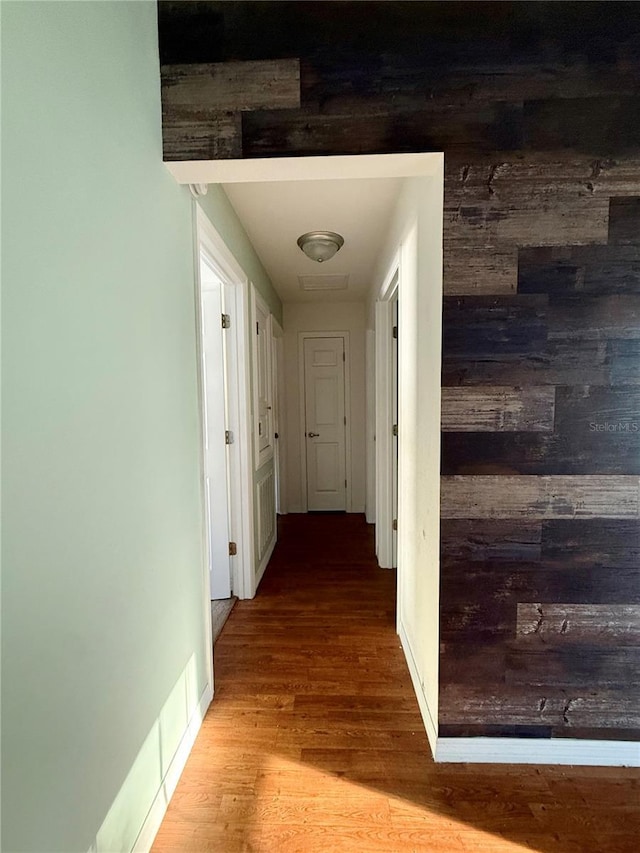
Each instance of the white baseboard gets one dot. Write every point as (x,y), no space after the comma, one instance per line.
(154,818)
(502,750)
(265,560)
(427,718)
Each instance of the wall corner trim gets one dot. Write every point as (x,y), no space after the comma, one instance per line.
(499,750)
(427,717)
(156,813)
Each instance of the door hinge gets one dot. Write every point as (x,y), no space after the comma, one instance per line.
(344,357)
(345,484)
(345,420)
(233,549)
(395,332)
(395,429)
(394,524)
(257,328)
(226,321)
(228,436)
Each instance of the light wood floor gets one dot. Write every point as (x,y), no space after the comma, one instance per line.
(314,741)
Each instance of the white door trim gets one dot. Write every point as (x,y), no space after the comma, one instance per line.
(241,476)
(384,415)
(302,336)
(258,305)
(279,413)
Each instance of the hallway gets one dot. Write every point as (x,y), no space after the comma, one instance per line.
(314,741)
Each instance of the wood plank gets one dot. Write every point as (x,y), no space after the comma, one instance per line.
(498,408)
(477,271)
(596,431)
(614,545)
(575,361)
(494,325)
(393,86)
(540,497)
(602,447)
(624,220)
(508,177)
(574,665)
(539,218)
(594,317)
(490,540)
(600,126)
(564,708)
(427,127)
(579,269)
(201,135)
(579,622)
(272,84)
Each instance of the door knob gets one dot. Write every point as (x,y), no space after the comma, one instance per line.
(313,434)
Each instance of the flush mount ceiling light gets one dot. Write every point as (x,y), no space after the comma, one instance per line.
(320,245)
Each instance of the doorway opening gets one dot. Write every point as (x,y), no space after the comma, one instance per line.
(224,381)
(403,451)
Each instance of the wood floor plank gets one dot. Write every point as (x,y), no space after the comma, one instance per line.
(314,742)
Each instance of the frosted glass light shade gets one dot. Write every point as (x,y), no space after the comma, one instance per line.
(320,245)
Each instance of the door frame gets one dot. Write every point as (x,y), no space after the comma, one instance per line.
(384,415)
(302,336)
(239,407)
(279,414)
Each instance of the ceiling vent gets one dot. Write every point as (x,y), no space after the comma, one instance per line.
(323,282)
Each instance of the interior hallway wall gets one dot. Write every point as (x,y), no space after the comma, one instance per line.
(104,650)
(324,317)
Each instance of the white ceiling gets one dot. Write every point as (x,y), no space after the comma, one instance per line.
(275,214)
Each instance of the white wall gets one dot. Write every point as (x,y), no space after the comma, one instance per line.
(324,317)
(416,234)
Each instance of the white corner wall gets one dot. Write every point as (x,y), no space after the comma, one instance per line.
(416,235)
(324,317)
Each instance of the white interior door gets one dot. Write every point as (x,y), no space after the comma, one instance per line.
(325,429)
(215,450)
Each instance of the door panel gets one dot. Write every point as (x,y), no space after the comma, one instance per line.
(216,476)
(325,433)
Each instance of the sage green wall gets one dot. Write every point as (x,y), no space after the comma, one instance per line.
(224,218)
(102,523)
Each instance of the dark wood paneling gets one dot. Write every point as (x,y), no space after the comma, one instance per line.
(537,109)
(236,86)
(568,123)
(568,623)
(497,409)
(566,709)
(580,269)
(202,104)
(611,453)
(470,539)
(614,545)
(596,431)
(540,497)
(560,362)
(574,665)
(434,127)
(624,220)
(478,326)
(201,134)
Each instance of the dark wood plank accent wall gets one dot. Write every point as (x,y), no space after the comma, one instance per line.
(537,108)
